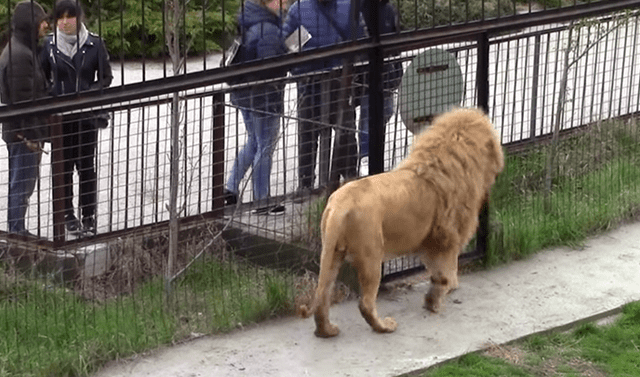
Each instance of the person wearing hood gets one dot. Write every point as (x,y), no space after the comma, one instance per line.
(22,79)
(261,106)
(76,60)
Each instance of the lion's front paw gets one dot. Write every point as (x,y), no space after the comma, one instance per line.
(327,331)
(390,324)
(432,304)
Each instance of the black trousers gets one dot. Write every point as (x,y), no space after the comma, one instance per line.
(318,110)
(79,151)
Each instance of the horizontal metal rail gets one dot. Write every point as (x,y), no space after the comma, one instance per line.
(389,43)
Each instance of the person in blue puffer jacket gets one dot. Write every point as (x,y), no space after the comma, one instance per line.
(261,106)
(328,22)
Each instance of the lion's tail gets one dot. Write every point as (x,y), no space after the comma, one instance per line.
(330,261)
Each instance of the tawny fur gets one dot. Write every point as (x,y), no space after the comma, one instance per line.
(428,206)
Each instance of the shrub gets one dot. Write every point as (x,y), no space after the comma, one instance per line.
(432,13)
(135,28)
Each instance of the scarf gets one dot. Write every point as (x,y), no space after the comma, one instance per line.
(69,44)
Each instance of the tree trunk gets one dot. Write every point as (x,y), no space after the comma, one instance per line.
(553,151)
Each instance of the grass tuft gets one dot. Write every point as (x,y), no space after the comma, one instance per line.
(589,350)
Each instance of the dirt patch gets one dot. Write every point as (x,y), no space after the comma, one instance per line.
(558,365)
(136,259)
(586,368)
(510,353)
(305,288)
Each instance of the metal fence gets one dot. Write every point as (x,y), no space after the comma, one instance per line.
(167,156)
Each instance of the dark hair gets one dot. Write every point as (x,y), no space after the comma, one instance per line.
(71,7)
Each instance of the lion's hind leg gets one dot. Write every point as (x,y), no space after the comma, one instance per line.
(322,301)
(369,274)
(331,259)
(326,281)
(330,262)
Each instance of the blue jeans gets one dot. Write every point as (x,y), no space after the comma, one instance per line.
(24,169)
(262,136)
(364,120)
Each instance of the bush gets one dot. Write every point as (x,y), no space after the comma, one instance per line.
(208,28)
(121,25)
(135,28)
(432,13)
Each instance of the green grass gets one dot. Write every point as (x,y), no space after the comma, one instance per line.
(477,366)
(607,350)
(49,331)
(595,186)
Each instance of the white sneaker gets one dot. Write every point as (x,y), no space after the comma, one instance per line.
(363,170)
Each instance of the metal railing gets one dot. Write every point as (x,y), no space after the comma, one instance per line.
(130,157)
(511,67)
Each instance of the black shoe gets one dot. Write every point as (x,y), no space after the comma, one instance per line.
(230,198)
(277,209)
(89,224)
(71,223)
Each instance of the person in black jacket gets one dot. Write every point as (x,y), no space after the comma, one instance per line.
(76,60)
(22,79)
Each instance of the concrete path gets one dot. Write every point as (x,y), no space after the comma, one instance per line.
(552,289)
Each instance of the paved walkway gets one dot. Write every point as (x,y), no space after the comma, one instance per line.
(552,289)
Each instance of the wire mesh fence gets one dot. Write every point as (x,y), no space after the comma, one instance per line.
(180,148)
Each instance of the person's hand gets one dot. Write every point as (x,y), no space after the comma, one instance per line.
(43,29)
(34,146)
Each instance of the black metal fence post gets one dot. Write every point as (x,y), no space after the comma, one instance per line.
(218,153)
(376,99)
(57,170)
(534,88)
(482,237)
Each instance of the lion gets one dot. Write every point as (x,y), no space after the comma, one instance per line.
(428,205)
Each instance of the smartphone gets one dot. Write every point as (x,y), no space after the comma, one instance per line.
(297,39)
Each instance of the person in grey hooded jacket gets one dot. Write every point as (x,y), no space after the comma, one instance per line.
(22,79)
